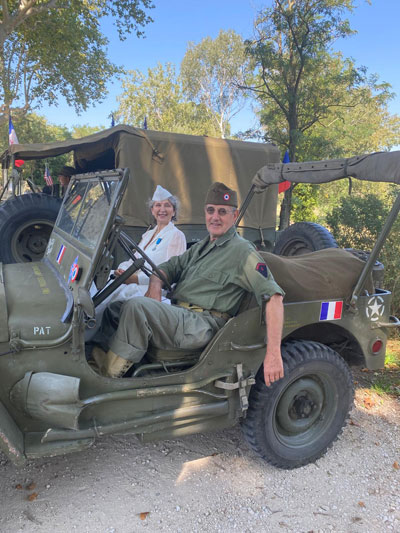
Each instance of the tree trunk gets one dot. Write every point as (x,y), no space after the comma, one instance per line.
(286,207)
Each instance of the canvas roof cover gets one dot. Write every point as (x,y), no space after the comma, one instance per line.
(379,166)
(186,165)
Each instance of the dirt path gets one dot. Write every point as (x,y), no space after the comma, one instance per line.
(211,483)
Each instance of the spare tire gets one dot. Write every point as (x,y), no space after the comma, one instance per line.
(302,238)
(26,223)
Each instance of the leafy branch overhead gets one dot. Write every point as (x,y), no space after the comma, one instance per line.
(300,84)
(52,48)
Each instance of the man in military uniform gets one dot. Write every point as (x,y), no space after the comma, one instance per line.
(211,279)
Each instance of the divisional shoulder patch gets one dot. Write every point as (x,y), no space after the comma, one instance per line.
(262,269)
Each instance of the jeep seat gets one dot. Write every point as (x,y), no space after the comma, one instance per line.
(158,355)
(327,274)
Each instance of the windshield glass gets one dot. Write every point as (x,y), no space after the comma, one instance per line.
(85,209)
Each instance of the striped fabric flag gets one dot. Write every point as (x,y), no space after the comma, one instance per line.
(47,178)
(331,310)
(13,139)
(12,136)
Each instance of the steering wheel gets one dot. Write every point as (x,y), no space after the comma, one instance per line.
(129,245)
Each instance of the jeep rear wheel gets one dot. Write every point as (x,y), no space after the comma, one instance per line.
(302,238)
(295,420)
(26,223)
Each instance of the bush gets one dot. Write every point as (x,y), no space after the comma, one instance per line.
(356,223)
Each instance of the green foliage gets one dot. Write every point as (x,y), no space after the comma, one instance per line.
(35,129)
(83,131)
(304,203)
(356,223)
(313,102)
(160,98)
(52,48)
(365,127)
(298,78)
(214,73)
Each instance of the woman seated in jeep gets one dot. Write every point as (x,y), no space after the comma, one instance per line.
(160,242)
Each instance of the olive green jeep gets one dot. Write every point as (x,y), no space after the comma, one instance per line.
(184,164)
(52,401)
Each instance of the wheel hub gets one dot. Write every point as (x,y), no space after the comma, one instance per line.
(30,241)
(300,406)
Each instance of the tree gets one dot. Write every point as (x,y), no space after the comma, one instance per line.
(299,80)
(51,48)
(356,221)
(159,98)
(82,131)
(33,128)
(212,73)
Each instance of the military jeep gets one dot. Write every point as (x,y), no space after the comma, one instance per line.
(52,401)
(184,164)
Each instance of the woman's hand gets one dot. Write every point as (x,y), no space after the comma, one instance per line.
(132,279)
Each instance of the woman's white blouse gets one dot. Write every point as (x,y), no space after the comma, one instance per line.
(169,242)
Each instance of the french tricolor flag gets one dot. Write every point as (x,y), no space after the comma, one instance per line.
(331,310)
(61,254)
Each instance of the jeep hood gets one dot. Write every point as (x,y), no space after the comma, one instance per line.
(35,303)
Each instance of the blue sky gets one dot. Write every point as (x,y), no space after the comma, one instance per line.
(176,22)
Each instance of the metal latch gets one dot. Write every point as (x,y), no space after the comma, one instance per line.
(241,384)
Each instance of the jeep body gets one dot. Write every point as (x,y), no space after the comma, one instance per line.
(53,402)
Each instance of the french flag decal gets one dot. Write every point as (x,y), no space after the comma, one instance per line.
(61,254)
(331,310)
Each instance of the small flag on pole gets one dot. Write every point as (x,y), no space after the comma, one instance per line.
(13,139)
(284,185)
(12,136)
(145,123)
(112,120)
(47,178)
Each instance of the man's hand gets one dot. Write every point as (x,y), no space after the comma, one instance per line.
(132,279)
(273,365)
(155,288)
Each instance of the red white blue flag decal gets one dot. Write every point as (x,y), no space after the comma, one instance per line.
(331,310)
(61,254)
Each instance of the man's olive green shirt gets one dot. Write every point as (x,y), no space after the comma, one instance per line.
(216,274)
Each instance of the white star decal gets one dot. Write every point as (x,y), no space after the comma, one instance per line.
(375,308)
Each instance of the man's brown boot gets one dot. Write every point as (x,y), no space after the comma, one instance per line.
(115,366)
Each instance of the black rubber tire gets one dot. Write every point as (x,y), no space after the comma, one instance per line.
(26,223)
(295,420)
(302,238)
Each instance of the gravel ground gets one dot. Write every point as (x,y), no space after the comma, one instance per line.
(211,483)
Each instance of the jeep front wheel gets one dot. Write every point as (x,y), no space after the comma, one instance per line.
(295,420)
(26,223)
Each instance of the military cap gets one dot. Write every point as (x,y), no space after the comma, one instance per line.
(220,194)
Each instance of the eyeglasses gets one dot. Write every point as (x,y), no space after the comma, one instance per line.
(221,210)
